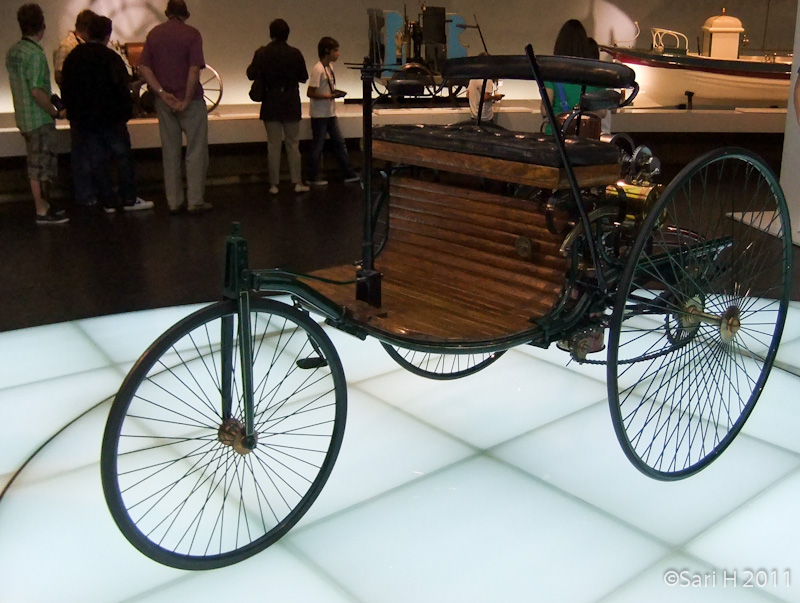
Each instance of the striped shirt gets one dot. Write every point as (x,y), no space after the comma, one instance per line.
(27,69)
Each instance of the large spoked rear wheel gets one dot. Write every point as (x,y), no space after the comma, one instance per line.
(699,313)
(441,366)
(181,479)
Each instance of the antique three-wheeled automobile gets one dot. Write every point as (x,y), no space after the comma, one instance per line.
(476,240)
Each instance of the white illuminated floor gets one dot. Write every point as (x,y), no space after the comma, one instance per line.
(507,486)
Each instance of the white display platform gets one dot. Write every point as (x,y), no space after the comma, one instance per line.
(233,124)
(753,120)
(503,486)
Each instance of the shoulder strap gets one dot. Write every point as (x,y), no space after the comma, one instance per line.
(561,98)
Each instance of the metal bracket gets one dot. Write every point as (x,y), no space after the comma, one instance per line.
(368,286)
(237,265)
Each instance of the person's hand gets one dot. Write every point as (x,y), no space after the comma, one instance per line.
(181,106)
(170,99)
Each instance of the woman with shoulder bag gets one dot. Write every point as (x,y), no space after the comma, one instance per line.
(277,70)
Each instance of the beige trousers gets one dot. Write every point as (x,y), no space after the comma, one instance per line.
(286,132)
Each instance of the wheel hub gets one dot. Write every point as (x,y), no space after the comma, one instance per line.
(583,343)
(728,322)
(690,319)
(231,432)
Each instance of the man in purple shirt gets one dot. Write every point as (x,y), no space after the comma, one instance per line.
(171,61)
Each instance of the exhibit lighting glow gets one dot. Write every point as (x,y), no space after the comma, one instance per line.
(132,19)
(612,24)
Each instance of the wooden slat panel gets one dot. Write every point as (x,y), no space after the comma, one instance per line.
(471,200)
(493,255)
(489,167)
(529,223)
(470,234)
(467,287)
(522,275)
(451,270)
(428,203)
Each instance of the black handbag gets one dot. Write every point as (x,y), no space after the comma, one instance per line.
(257,90)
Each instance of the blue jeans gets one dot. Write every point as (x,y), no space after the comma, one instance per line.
(321,128)
(104,145)
(81,168)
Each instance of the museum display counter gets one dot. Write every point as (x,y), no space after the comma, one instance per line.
(233,124)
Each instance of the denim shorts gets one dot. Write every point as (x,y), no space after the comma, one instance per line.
(40,146)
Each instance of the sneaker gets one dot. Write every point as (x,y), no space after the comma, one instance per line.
(273,190)
(51,218)
(198,209)
(301,188)
(318,182)
(138,205)
(109,209)
(353,178)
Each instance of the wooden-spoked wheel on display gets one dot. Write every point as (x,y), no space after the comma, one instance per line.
(145,101)
(212,87)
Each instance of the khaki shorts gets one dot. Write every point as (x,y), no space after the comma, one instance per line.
(42,158)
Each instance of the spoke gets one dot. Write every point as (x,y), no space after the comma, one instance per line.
(698,329)
(185,479)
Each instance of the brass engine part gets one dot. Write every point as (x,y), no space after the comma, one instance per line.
(636,199)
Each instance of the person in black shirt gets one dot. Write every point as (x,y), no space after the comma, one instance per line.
(96,94)
(279,69)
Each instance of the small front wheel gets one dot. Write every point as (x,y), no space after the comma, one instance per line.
(182,479)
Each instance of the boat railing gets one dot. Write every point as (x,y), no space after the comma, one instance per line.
(681,42)
(768,56)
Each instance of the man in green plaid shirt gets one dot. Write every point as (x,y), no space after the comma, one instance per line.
(35,114)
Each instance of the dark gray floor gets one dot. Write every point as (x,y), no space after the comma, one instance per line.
(105,264)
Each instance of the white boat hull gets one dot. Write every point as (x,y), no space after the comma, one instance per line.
(667,87)
(665,84)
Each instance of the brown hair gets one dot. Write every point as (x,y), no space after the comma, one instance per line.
(325,46)
(83,20)
(572,41)
(31,19)
(177,8)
